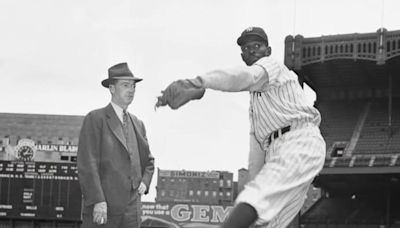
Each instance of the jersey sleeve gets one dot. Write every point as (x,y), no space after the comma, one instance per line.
(272,68)
(256,78)
(237,79)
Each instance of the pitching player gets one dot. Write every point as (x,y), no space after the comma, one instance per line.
(286,148)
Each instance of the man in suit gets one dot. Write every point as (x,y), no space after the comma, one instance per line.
(115,166)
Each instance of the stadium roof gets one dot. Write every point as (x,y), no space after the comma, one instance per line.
(349,60)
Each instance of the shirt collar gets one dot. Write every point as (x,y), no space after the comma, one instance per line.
(118,110)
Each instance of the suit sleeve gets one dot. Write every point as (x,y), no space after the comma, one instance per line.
(88,162)
(149,167)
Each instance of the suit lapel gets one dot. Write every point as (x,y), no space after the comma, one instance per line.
(139,138)
(115,125)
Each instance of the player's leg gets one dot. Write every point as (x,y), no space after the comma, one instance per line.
(288,212)
(293,207)
(292,163)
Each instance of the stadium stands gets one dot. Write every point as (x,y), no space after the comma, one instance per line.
(361,210)
(355,77)
(339,119)
(376,136)
(339,124)
(332,210)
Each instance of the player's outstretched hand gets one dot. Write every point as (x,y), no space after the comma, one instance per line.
(180,92)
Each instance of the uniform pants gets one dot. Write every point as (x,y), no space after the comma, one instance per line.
(278,190)
(129,219)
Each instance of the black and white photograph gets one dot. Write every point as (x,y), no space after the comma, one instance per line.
(200,114)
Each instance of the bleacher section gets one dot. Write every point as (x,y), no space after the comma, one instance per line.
(339,119)
(351,210)
(377,145)
(331,210)
(339,123)
(394,142)
(376,136)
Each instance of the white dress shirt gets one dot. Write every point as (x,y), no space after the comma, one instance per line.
(119,111)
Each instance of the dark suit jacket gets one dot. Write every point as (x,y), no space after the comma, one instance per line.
(104,163)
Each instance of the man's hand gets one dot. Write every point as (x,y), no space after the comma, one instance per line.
(180,92)
(142,188)
(100,213)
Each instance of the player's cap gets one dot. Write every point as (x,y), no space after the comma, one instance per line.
(256,33)
(119,71)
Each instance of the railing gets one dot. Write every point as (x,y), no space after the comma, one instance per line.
(389,160)
(379,47)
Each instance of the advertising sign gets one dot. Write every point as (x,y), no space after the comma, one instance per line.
(183,215)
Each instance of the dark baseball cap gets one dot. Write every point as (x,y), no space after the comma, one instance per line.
(251,33)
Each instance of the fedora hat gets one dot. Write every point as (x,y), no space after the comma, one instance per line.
(117,72)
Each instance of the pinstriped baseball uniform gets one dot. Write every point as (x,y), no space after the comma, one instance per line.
(280,172)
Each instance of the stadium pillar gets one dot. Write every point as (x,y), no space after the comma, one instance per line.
(388,196)
(390,104)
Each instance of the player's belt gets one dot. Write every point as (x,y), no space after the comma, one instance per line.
(277,133)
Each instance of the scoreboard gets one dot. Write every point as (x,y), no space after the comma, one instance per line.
(39,190)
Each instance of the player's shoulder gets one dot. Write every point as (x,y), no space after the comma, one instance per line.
(272,67)
(269,62)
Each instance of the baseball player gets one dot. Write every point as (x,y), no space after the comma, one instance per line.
(286,148)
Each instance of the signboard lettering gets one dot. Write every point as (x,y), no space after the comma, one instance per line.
(180,214)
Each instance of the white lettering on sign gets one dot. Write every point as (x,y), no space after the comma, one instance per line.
(47,147)
(189,174)
(199,213)
(179,215)
(219,213)
(57,148)
(5,206)
(148,206)
(34,208)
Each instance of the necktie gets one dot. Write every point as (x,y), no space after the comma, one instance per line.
(125,123)
(132,149)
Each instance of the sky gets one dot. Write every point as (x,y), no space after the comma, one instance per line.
(54,54)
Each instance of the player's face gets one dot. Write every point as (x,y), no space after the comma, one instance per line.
(252,51)
(123,92)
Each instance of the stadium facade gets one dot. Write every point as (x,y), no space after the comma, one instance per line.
(356,78)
